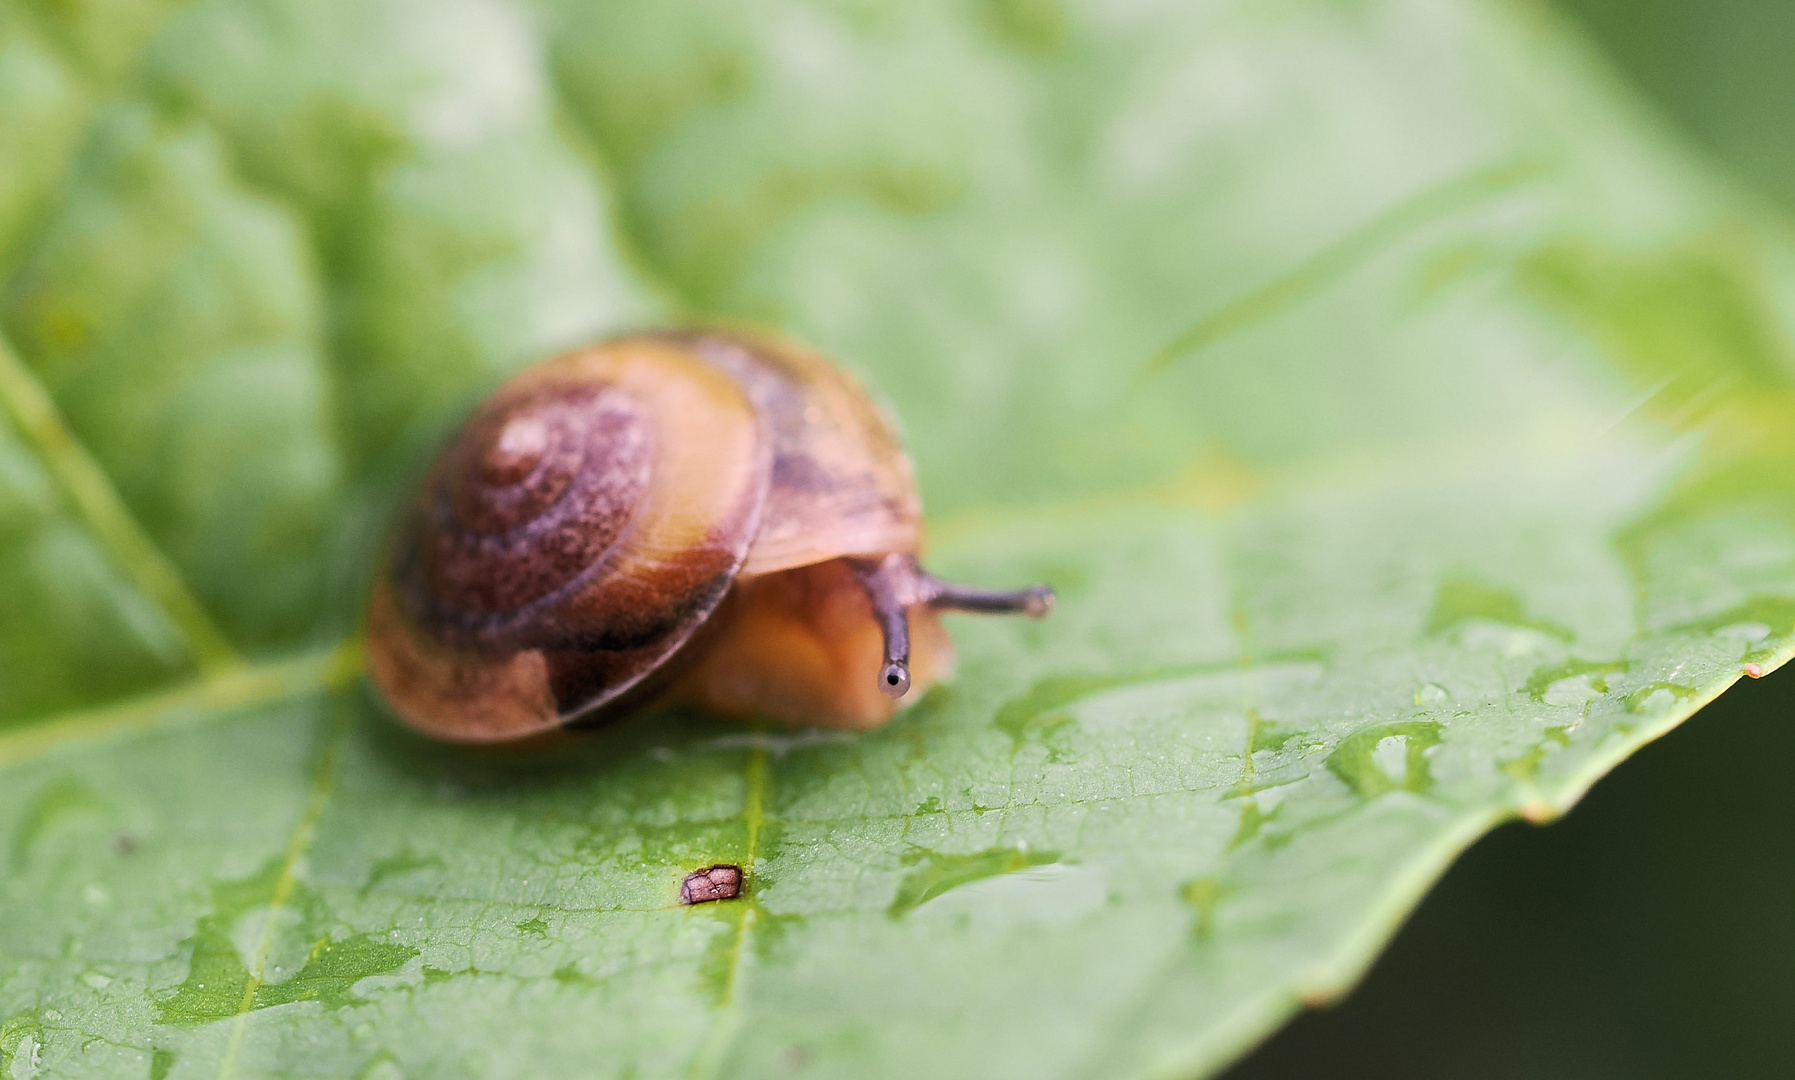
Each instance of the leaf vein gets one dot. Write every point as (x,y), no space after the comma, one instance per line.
(107,517)
(208,697)
(323,779)
(1341,257)
(729,1014)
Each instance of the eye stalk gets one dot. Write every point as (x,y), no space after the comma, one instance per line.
(897,581)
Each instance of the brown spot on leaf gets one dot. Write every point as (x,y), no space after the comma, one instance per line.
(1317,999)
(720,882)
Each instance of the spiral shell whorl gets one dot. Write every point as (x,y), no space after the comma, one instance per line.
(574,535)
(528,501)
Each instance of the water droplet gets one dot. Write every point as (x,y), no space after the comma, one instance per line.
(26,1057)
(1392,756)
(1572,691)
(383,1070)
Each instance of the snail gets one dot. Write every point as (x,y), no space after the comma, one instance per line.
(715,518)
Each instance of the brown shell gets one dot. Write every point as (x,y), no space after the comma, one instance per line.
(587,521)
(842,484)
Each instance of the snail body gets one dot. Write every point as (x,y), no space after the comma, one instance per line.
(713,518)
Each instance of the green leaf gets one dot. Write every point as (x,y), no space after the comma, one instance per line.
(1401,414)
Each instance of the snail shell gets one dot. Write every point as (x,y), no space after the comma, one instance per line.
(716,518)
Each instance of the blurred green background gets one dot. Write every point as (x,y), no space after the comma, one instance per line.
(1651,933)
(1723,69)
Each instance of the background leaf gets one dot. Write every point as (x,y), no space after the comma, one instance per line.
(1401,414)
(1643,937)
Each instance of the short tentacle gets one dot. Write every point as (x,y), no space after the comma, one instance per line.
(1034,601)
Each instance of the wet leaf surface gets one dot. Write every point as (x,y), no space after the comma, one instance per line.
(1401,414)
